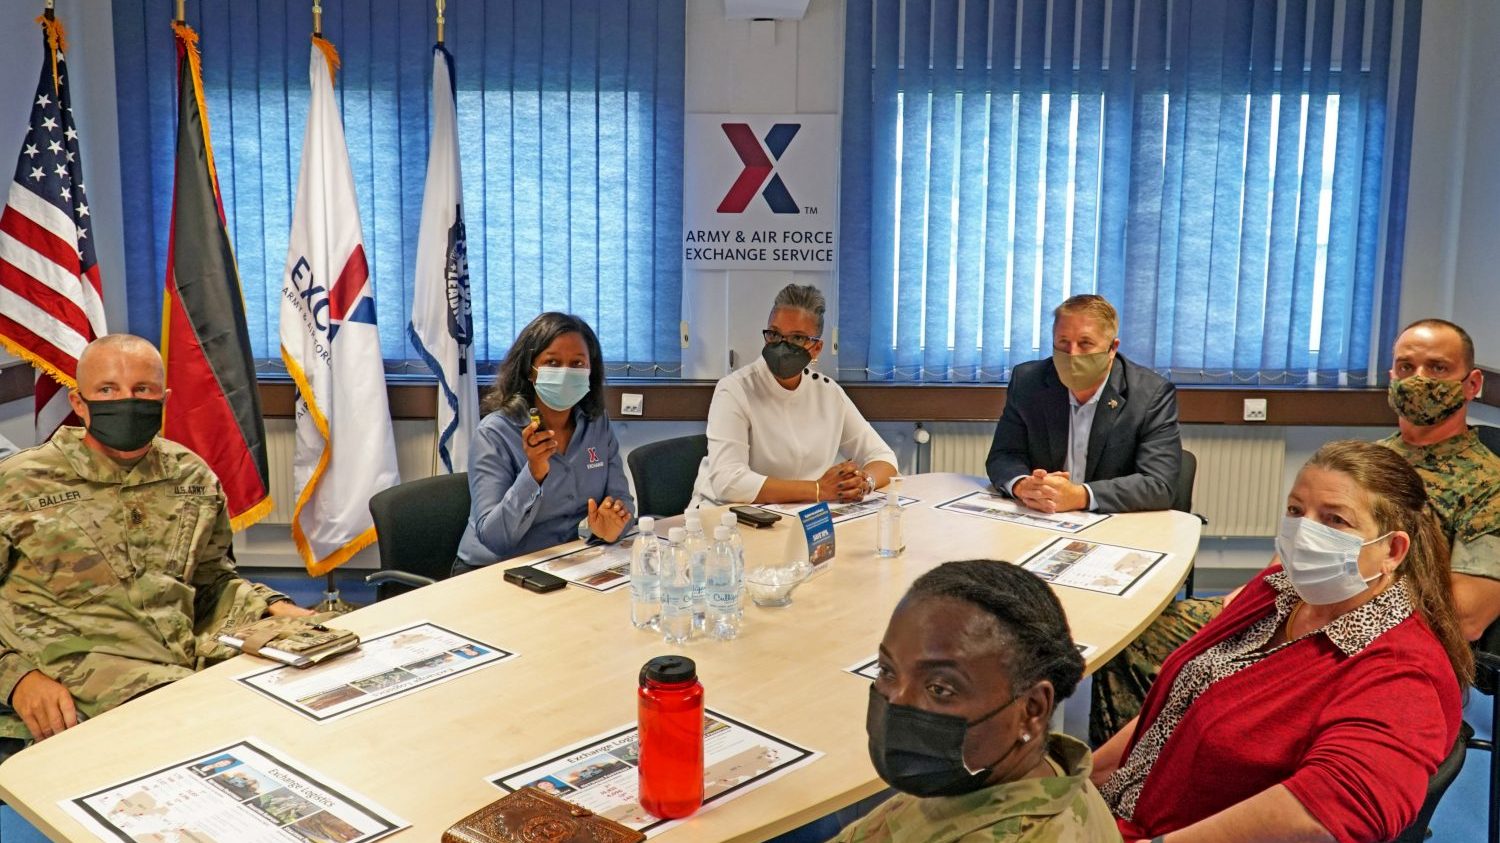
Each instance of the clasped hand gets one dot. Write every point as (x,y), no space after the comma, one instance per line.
(843,482)
(1050,491)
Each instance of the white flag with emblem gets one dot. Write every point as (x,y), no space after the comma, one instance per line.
(345,449)
(442,328)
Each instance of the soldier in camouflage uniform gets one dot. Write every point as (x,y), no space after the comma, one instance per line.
(973,663)
(114,555)
(1432,380)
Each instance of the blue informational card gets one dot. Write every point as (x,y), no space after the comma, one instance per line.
(817,524)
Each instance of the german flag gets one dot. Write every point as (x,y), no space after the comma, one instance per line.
(214,408)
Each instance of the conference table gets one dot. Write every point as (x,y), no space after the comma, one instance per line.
(426,756)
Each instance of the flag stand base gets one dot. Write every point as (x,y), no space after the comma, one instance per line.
(331,600)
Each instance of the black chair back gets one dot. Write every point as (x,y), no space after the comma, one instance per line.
(664,473)
(1182,501)
(1446,772)
(1187,474)
(418,526)
(1489,436)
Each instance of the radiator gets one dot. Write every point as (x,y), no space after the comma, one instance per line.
(415,453)
(1238,487)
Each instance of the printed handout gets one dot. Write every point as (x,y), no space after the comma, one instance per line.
(242,793)
(842,512)
(600,774)
(1106,568)
(995,507)
(384,667)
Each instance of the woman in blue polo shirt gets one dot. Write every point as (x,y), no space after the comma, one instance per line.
(539,482)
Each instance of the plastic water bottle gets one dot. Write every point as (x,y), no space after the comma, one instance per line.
(888,539)
(676,590)
(737,542)
(645,576)
(726,583)
(696,545)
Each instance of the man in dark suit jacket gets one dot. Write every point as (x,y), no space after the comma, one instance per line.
(1087,429)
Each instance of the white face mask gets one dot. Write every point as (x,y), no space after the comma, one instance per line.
(1322,563)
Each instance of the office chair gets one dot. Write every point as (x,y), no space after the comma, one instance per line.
(664,473)
(1182,501)
(418,526)
(1487,681)
(1443,776)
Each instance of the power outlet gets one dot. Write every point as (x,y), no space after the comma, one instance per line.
(632,404)
(1255,409)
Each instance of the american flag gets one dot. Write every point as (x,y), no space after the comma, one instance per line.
(50,300)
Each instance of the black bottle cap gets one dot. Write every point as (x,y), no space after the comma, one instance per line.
(669,669)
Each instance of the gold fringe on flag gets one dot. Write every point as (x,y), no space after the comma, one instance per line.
(57,41)
(330,53)
(189,40)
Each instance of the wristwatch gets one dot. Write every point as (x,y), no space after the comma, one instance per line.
(869,481)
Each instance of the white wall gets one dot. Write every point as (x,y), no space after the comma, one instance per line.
(1453,211)
(756,67)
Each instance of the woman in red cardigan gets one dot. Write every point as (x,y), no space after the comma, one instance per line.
(1318,704)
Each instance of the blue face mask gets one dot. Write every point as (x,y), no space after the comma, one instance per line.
(560,388)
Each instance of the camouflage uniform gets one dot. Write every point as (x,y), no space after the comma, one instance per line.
(1057,809)
(112,578)
(1463,482)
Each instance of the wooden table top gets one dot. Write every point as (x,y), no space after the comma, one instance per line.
(426,756)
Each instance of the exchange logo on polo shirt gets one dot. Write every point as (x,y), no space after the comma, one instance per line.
(594,461)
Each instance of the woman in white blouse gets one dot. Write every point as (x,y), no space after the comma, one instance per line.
(778,432)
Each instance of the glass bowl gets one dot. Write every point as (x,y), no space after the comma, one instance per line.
(772,585)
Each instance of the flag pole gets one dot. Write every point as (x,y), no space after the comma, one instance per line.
(181,10)
(332,602)
(440,19)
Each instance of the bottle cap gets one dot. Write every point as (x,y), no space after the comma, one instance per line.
(721,533)
(646,523)
(728,520)
(669,669)
(676,535)
(692,519)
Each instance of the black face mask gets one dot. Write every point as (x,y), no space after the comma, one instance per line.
(125,424)
(785,359)
(921,752)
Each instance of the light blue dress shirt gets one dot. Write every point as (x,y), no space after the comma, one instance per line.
(510,513)
(1080,425)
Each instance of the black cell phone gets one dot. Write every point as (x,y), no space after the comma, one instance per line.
(754,516)
(536,416)
(531,579)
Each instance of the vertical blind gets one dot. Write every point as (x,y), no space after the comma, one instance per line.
(1231,174)
(570,135)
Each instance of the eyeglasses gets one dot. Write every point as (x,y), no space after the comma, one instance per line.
(773,337)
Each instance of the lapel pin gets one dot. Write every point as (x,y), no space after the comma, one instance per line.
(1113,403)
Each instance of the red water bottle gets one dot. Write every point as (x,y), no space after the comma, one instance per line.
(671,737)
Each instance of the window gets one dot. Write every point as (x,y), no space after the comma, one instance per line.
(1229,174)
(570,124)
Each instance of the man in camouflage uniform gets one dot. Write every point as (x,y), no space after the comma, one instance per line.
(114,555)
(1432,380)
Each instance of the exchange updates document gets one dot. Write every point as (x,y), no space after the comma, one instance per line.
(995,507)
(600,773)
(242,793)
(400,662)
(1107,568)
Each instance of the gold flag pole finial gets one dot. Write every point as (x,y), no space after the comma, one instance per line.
(317,19)
(440,19)
(182,11)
